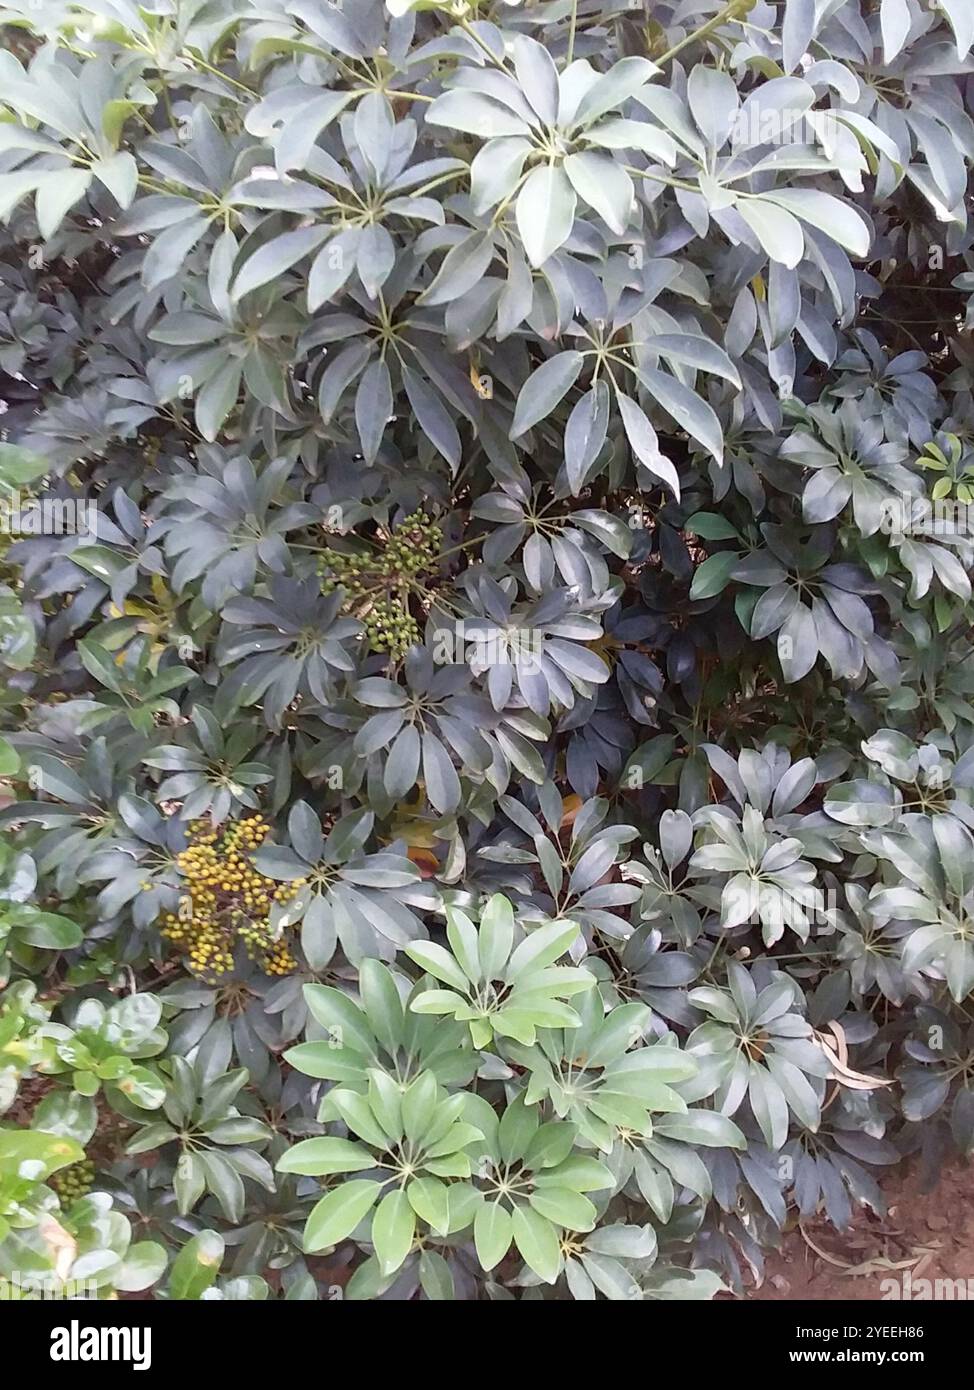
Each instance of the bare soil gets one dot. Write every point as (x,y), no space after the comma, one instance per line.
(924,1236)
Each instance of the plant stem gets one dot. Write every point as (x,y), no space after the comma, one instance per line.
(732,10)
(208,67)
(471,33)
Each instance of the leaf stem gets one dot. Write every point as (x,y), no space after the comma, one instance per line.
(660,178)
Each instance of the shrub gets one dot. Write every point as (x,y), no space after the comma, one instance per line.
(485,633)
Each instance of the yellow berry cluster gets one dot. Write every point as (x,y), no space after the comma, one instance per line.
(228,901)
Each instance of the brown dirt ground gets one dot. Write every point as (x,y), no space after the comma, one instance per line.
(929,1234)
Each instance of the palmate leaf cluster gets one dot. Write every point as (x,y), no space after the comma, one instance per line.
(486,696)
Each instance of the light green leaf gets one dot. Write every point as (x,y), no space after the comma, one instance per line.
(545,212)
(437,961)
(778,232)
(336,1215)
(830,215)
(493,1231)
(275,257)
(544,388)
(599,181)
(317,1157)
(393,1228)
(56,194)
(537,1242)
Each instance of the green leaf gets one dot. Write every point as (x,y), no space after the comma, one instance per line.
(545,212)
(464,266)
(274,258)
(830,215)
(704,1127)
(51,1151)
(493,1231)
(19,466)
(540,949)
(48,930)
(544,388)
(317,1157)
(167,254)
(393,1229)
(430,1200)
(778,232)
(374,125)
(496,171)
(644,443)
(18,642)
(64,1113)
(550,1145)
(373,407)
(100,561)
(610,1277)
(579,1172)
(332,267)
(57,192)
(475,114)
(961,18)
(143,1265)
(356,1111)
(217,397)
(518,1126)
(713,575)
(585,434)
(537,76)
(143,1088)
(768,1104)
(690,411)
(598,181)
(895,22)
(694,350)
(437,961)
(120,175)
(623,80)
(336,1215)
(496,936)
(711,526)
(434,420)
(435,1276)
(419,1105)
(100,664)
(196,1266)
(383,1009)
(564,1207)
(618,134)
(537,1242)
(438,1001)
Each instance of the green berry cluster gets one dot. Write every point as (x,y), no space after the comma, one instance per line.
(378,584)
(414,546)
(74,1181)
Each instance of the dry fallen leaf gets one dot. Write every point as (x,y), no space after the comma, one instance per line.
(61,1243)
(836,1050)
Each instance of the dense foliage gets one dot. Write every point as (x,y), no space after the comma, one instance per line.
(485,637)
